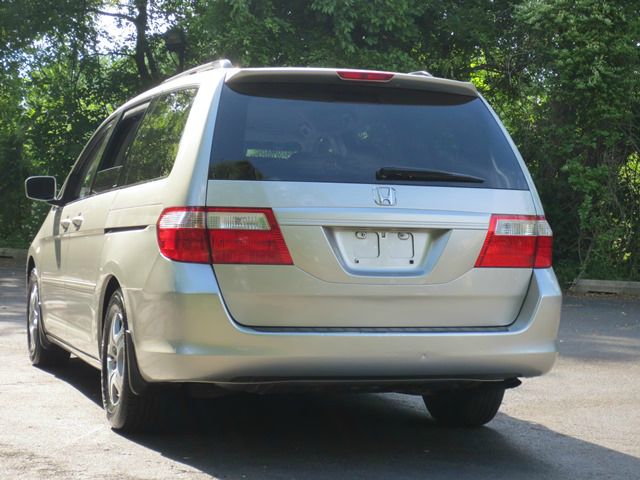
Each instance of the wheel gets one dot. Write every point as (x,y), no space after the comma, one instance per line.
(125,410)
(41,352)
(464,408)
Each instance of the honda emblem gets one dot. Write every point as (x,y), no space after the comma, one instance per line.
(385,196)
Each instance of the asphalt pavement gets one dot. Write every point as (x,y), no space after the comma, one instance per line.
(580,421)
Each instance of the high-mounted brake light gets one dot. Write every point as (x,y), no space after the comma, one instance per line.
(222,235)
(365,76)
(517,241)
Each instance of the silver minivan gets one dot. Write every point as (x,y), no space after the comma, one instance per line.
(286,229)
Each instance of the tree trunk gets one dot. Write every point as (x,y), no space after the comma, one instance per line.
(143,50)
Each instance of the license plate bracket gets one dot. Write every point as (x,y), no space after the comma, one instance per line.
(367,250)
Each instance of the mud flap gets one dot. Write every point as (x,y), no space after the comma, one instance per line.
(137,384)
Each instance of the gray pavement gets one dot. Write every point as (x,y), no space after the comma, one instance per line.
(580,421)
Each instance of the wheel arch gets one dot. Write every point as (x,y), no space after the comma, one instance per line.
(136,381)
(31,264)
(111,284)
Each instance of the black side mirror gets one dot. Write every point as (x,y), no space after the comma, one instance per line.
(42,189)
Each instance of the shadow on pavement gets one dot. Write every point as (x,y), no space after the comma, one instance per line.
(356,436)
(82,377)
(368,436)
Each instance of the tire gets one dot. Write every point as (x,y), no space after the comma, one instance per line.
(41,352)
(464,408)
(126,411)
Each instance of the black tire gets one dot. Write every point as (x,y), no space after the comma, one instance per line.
(42,353)
(126,411)
(464,408)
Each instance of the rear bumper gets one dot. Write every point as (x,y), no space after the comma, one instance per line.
(189,336)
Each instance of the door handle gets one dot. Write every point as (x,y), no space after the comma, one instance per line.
(77,221)
(65,223)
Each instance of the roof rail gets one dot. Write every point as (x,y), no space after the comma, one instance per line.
(423,73)
(222,63)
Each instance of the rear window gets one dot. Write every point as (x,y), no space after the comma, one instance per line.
(348,133)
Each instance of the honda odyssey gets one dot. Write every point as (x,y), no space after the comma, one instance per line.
(290,229)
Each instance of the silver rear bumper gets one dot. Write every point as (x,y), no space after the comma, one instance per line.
(189,336)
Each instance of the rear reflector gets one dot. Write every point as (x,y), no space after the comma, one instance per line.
(365,76)
(517,241)
(222,235)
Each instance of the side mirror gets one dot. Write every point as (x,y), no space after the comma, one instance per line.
(42,189)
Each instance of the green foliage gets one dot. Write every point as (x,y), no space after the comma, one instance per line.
(585,75)
(564,75)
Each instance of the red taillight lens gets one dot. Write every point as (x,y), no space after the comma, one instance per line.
(517,241)
(222,235)
(182,234)
(365,76)
(246,235)
(544,251)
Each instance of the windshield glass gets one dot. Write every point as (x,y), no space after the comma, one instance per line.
(347,133)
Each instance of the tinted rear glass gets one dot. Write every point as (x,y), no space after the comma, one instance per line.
(347,133)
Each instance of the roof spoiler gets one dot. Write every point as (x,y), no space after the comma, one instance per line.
(415,80)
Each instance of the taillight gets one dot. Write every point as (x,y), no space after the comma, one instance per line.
(222,235)
(243,235)
(182,234)
(365,75)
(517,241)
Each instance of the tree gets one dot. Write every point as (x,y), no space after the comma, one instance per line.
(584,77)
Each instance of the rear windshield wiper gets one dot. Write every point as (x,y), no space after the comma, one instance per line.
(424,175)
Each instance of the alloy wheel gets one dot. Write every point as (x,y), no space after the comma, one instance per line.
(33,318)
(115,358)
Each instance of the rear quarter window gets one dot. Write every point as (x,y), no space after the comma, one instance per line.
(155,147)
(346,133)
